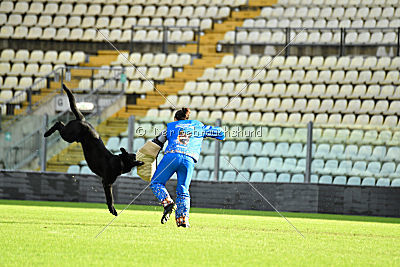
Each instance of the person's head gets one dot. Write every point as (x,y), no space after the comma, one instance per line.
(182,114)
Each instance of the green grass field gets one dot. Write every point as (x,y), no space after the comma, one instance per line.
(56,233)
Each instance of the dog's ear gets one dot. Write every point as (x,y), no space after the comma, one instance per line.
(123,150)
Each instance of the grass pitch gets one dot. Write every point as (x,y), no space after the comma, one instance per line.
(56,233)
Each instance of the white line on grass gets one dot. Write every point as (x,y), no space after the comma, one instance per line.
(144,76)
(266,66)
(294,227)
(105,227)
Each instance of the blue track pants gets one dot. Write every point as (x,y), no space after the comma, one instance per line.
(183,165)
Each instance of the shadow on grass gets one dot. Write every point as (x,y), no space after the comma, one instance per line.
(206,211)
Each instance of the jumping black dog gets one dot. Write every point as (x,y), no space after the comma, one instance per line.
(99,159)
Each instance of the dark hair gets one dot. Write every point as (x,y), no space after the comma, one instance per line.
(182,114)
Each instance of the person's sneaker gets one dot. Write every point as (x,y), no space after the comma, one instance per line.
(184,225)
(183,222)
(167,212)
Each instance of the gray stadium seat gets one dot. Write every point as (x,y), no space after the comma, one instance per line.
(261,164)
(289,164)
(301,165)
(341,180)
(236,163)
(270,177)
(275,164)
(208,162)
(256,177)
(383,182)
(249,163)
(295,150)
(314,179)
(255,148)
(359,168)
(242,148)
(325,179)
(73,169)
(297,178)
(113,144)
(229,176)
(354,181)
(138,143)
(317,165)
(210,149)
(202,175)
(281,149)
(283,178)
(124,143)
(268,149)
(86,170)
(387,169)
(228,148)
(396,183)
(368,181)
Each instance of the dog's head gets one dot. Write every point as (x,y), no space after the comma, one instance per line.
(128,161)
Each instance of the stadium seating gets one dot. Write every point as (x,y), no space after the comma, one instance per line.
(334,162)
(76,20)
(352,100)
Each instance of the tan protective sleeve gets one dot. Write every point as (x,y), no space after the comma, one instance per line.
(150,149)
(147,153)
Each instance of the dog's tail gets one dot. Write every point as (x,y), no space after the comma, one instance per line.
(72,104)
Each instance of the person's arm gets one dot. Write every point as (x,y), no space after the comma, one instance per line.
(214,132)
(160,139)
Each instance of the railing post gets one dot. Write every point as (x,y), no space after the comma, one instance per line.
(217,154)
(398,41)
(165,39)
(131,46)
(43,148)
(131,133)
(307,177)
(342,40)
(287,40)
(235,43)
(98,112)
(91,80)
(62,79)
(29,96)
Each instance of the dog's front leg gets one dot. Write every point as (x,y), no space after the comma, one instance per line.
(109,198)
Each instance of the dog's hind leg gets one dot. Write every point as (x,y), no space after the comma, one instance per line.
(109,198)
(57,126)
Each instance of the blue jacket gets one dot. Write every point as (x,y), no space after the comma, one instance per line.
(186,136)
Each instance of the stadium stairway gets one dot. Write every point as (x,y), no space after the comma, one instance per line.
(118,123)
(209,58)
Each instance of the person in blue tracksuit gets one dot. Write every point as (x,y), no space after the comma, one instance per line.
(184,138)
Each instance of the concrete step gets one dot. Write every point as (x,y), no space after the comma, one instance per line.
(71,84)
(110,52)
(97,61)
(56,168)
(261,3)
(205,48)
(81,73)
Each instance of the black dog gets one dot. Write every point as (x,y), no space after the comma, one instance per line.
(99,159)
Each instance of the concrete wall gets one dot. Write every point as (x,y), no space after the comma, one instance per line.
(314,198)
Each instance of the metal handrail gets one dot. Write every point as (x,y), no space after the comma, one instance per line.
(342,44)
(165,41)
(319,28)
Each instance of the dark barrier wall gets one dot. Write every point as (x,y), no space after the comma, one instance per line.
(376,201)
